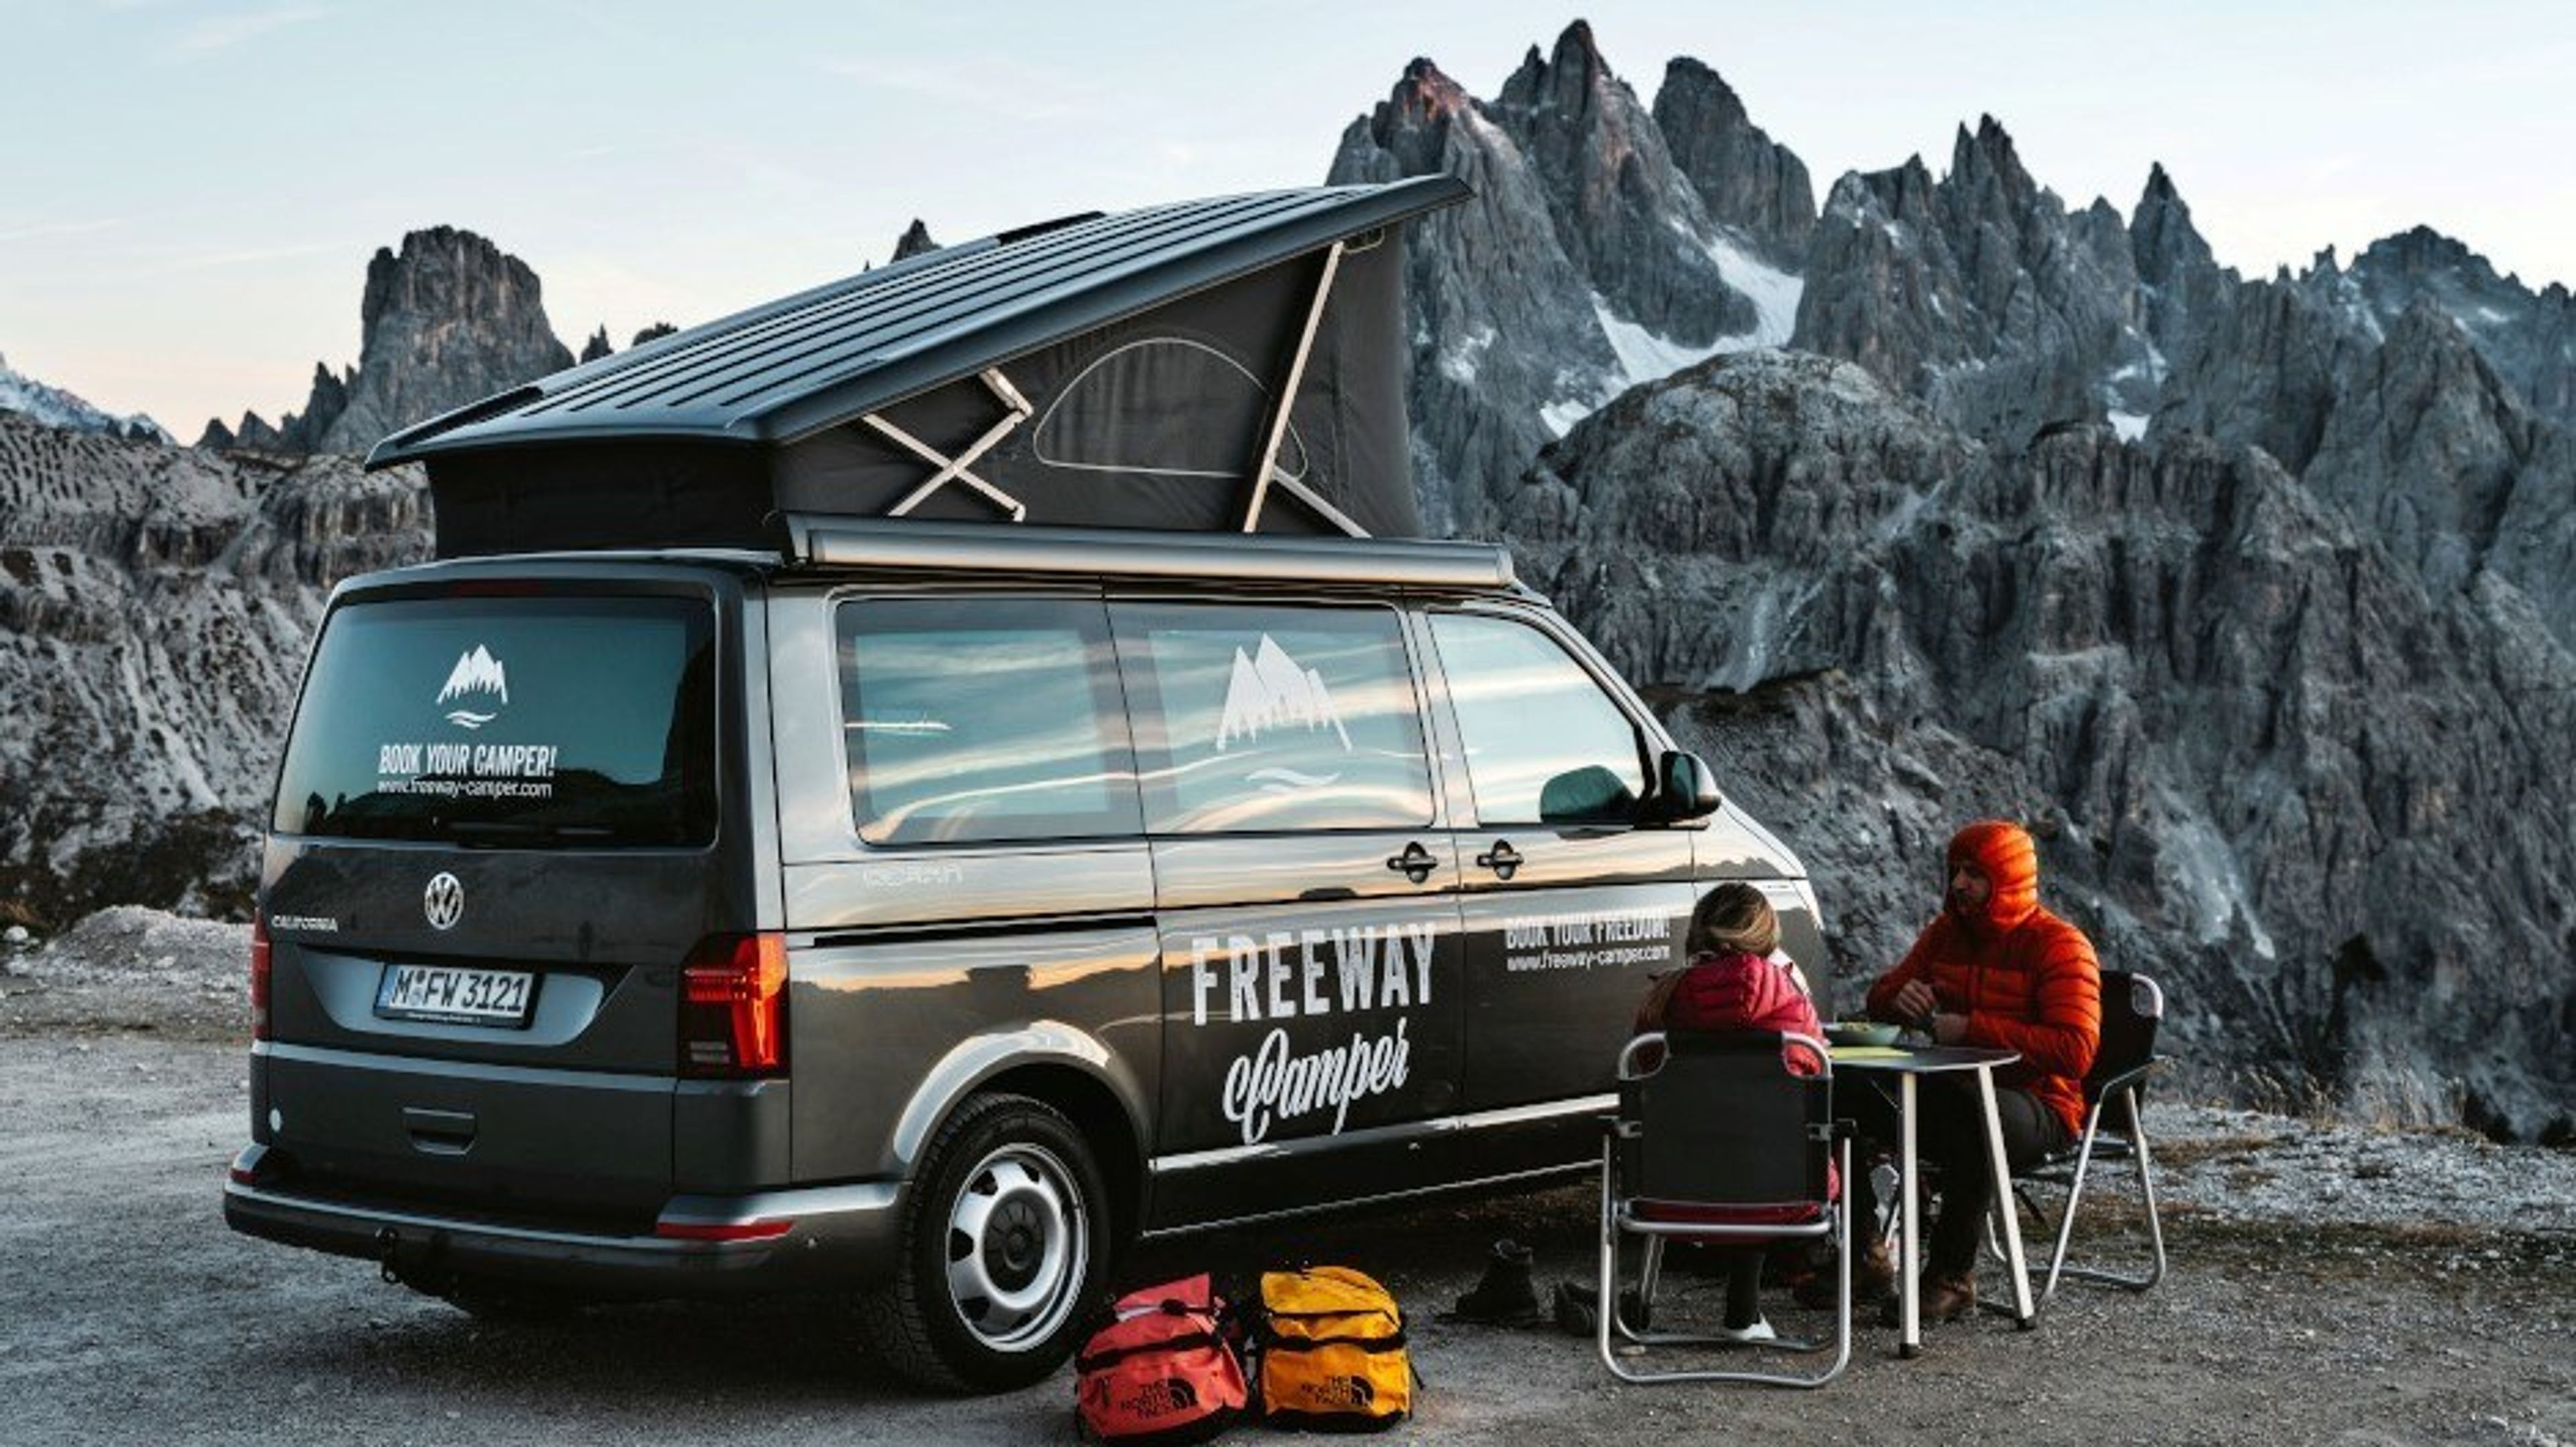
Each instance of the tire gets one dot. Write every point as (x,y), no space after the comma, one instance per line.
(1006,1240)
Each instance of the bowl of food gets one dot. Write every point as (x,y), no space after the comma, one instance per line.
(1861,1032)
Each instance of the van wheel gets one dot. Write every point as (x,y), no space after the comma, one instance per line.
(1005,1238)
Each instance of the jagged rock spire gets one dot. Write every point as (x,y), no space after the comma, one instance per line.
(449,319)
(1744,179)
(914,241)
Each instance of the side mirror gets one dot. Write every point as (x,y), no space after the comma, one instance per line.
(1685,789)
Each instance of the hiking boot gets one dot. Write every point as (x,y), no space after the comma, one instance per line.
(1506,1294)
(1948,1295)
(1939,1296)
(1578,1304)
(1873,1276)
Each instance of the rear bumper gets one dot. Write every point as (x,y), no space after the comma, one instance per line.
(831,1236)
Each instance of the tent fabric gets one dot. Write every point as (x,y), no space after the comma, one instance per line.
(1148,351)
(1158,421)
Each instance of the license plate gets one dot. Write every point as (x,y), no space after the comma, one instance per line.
(455,995)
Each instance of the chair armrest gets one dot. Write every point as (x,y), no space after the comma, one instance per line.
(2125,1079)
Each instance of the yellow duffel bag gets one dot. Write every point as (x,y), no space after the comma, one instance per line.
(1332,1351)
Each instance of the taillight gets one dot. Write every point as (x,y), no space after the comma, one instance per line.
(258,979)
(722,1231)
(733,1006)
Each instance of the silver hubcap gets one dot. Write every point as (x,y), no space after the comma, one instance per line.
(1018,1247)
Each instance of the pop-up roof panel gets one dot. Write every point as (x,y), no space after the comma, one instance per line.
(1103,371)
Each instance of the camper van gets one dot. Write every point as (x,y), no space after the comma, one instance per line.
(757,856)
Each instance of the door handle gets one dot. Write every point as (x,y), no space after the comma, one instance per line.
(1415,863)
(1502,859)
(439,1132)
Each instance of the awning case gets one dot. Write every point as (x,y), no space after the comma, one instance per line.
(1105,371)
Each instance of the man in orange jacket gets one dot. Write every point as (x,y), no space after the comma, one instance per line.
(1993,970)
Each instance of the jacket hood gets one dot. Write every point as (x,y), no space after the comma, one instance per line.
(2009,858)
(1734,991)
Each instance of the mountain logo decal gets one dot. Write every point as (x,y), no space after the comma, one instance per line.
(477,678)
(1267,692)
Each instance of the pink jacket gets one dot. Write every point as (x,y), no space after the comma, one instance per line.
(1731,992)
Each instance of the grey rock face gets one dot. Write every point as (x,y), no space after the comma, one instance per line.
(2438,456)
(1587,262)
(450,320)
(2182,288)
(2265,371)
(1626,217)
(1981,294)
(447,321)
(255,434)
(2528,337)
(1499,323)
(1743,178)
(2324,803)
(156,604)
(2407,422)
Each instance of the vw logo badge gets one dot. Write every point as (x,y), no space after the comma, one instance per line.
(444,901)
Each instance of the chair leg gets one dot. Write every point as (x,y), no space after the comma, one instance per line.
(1606,1305)
(2063,1227)
(1606,1281)
(2146,1169)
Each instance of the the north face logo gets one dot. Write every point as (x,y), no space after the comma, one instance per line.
(1161,1399)
(1342,1394)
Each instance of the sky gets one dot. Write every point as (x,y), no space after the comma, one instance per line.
(190,190)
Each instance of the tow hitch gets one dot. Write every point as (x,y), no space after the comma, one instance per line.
(419,1263)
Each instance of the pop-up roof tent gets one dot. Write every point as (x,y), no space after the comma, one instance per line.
(1102,371)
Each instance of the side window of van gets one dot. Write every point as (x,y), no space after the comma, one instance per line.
(1545,744)
(972,719)
(1273,718)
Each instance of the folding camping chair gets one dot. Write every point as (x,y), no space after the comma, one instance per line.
(1718,1140)
(2132,1007)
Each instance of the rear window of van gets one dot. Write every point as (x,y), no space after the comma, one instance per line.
(541,721)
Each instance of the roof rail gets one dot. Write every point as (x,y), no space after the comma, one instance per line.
(833,540)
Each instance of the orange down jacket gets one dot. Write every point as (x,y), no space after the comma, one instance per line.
(2025,979)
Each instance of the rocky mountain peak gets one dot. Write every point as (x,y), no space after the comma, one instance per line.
(448,319)
(1981,294)
(1987,177)
(1588,261)
(915,240)
(50,406)
(1424,94)
(1744,179)
(2528,337)
(1571,72)
(1626,214)
(2161,229)
(2180,280)
(2422,251)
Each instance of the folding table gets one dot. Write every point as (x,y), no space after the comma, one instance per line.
(1907,1064)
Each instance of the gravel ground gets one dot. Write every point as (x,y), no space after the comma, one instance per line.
(2331,1284)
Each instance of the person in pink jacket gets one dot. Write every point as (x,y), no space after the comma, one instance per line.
(1737,980)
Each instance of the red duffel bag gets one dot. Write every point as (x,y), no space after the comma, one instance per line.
(1162,1372)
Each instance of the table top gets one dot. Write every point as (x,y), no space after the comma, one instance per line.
(1918,1059)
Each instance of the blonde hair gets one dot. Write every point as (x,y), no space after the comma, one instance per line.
(1732,919)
